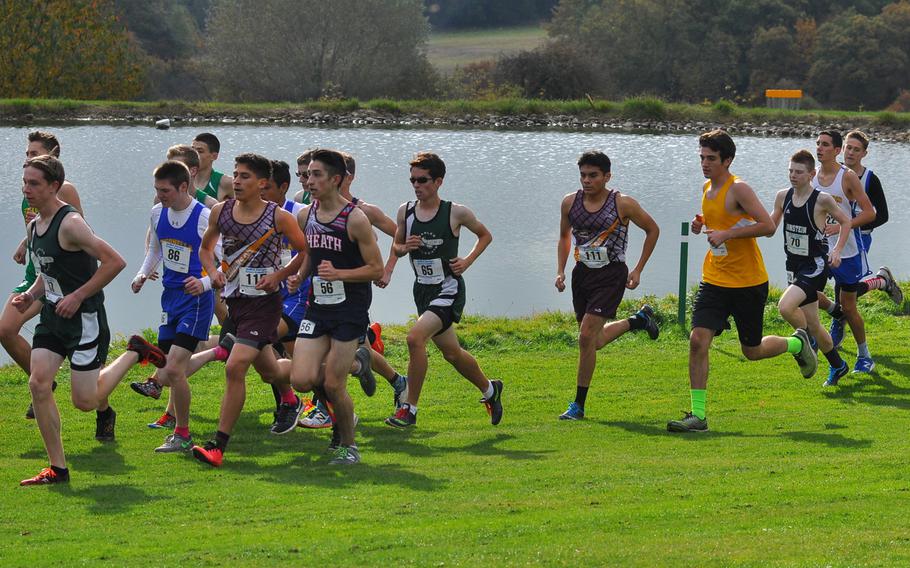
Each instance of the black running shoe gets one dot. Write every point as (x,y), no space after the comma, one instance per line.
(104,427)
(365,374)
(647,314)
(286,418)
(149,387)
(494,403)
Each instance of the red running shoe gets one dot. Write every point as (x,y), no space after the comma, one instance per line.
(376,341)
(209,453)
(46,477)
(147,352)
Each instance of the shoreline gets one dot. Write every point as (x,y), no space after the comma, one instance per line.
(605,117)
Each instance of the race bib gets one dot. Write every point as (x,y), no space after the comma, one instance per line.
(286,256)
(593,257)
(306,328)
(250,277)
(796,243)
(429,270)
(176,256)
(327,293)
(720,250)
(52,289)
(163,318)
(790,277)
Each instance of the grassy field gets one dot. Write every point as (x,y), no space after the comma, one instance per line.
(791,474)
(446,50)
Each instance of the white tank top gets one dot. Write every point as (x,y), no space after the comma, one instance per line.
(836,190)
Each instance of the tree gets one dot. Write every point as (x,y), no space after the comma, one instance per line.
(771,59)
(65,48)
(271,50)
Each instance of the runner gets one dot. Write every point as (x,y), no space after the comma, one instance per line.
(251,230)
(187,155)
(734,280)
(177,224)
(428,231)
(11,320)
(856,147)
(841,183)
(303,160)
(73,324)
(209,180)
(344,259)
(804,211)
(597,219)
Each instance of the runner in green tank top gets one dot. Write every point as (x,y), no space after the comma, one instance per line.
(428,231)
(11,320)
(73,324)
(207,180)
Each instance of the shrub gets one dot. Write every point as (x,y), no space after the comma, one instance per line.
(644,108)
(724,107)
(554,71)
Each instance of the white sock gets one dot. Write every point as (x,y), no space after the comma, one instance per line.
(862,350)
(412,408)
(488,394)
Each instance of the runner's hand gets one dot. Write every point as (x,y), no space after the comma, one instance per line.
(137,283)
(384,281)
(634,279)
(717,238)
(218,279)
(269,282)
(459,265)
(22,301)
(193,286)
(561,282)
(19,255)
(834,258)
(153,275)
(293,282)
(832,229)
(413,243)
(68,306)
(697,223)
(327,271)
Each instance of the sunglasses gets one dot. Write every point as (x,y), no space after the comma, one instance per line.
(421,179)
(304,175)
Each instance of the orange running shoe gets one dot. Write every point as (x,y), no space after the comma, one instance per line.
(209,453)
(46,477)
(147,352)
(376,343)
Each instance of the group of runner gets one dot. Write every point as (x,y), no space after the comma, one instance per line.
(295,277)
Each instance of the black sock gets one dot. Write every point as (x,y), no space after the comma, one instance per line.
(53,386)
(581,395)
(862,289)
(221,440)
(834,359)
(636,323)
(64,471)
(277,396)
(105,414)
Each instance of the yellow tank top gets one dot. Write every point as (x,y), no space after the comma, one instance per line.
(736,263)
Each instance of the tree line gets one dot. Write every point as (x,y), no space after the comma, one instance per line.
(843,54)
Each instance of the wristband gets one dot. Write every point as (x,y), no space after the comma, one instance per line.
(206,283)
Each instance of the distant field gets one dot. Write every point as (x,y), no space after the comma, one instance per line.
(449,49)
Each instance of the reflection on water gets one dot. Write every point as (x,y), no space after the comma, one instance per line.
(513,180)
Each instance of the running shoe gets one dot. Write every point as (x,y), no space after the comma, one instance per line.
(175,443)
(837,312)
(891,285)
(806,358)
(30,411)
(835,375)
(400,390)
(225,344)
(345,455)
(166,421)
(647,314)
(574,412)
(149,387)
(209,453)
(403,418)
(376,341)
(365,374)
(863,365)
(104,427)
(287,417)
(689,423)
(46,477)
(837,331)
(494,403)
(319,417)
(147,352)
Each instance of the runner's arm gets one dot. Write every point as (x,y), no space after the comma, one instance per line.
(70,196)
(853,189)
(75,232)
(225,188)
(207,248)
(400,245)
(152,252)
(877,197)
(466,218)
(564,243)
(749,203)
(384,223)
(632,210)
(778,213)
(361,232)
(830,207)
(287,225)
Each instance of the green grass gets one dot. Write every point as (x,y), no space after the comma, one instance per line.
(790,474)
(447,50)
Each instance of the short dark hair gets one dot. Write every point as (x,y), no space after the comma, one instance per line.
(333,161)
(595,158)
(306,157)
(48,140)
(258,164)
(430,162)
(173,171)
(349,164)
(861,136)
(718,141)
(281,172)
(50,167)
(804,157)
(836,137)
(209,140)
(184,153)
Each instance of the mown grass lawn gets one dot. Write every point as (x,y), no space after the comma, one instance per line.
(446,50)
(790,473)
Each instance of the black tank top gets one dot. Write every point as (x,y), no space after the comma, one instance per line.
(330,241)
(802,239)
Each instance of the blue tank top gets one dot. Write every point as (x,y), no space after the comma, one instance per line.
(180,247)
(287,253)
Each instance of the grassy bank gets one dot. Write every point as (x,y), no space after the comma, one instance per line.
(446,50)
(791,473)
(637,109)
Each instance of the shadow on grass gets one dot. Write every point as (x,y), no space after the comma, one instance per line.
(830,440)
(110,499)
(103,458)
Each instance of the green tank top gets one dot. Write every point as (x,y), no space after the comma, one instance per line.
(26,209)
(211,188)
(438,244)
(63,271)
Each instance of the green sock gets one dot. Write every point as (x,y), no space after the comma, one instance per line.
(794,345)
(698,402)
